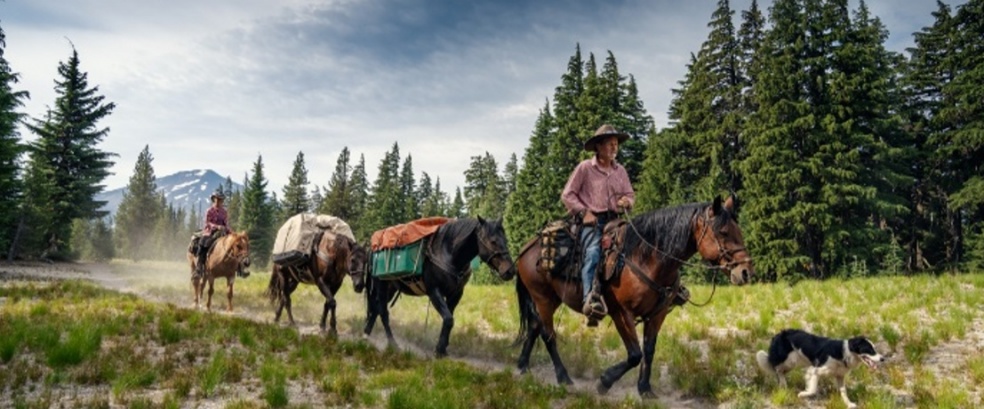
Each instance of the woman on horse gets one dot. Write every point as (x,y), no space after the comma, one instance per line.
(216,225)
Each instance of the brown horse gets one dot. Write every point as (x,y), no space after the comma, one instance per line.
(227,255)
(655,246)
(333,256)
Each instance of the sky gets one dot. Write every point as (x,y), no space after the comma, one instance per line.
(217,83)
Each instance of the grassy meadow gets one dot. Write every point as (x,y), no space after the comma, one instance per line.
(138,344)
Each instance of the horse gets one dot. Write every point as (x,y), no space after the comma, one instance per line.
(447,257)
(334,256)
(226,257)
(655,245)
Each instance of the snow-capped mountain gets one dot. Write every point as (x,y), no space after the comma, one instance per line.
(189,189)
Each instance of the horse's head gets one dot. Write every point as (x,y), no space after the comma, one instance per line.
(719,240)
(357,261)
(492,248)
(239,247)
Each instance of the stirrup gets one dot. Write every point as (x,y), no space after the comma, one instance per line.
(594,308)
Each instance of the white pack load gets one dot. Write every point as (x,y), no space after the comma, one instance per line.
(295,239)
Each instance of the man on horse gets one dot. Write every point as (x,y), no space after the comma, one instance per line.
(216,225)
(597,192)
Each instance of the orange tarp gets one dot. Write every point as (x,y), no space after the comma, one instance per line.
(403,234)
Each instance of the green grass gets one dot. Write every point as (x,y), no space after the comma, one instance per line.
(65,334)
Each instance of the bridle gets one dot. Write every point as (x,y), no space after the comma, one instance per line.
(485,243)
(723,253)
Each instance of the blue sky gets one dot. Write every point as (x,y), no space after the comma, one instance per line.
(213,84)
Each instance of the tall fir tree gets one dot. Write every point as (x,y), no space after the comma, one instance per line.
(139,211)
(509,173)
(925,73)
(234,200)
(386,207)
(483,190)
(358,188)
(457,207)
(963,142)
(296,198)
(11,150)
(530,207)
(68,139)
(257,215)
(408,191)
(337,201)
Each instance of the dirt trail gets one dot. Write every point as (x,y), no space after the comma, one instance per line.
(175,289)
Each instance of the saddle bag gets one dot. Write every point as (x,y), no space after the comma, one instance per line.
(557,247)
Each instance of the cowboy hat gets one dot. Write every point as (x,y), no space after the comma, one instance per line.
(605,131)
(217,195)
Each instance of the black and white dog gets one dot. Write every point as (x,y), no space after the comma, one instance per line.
(793,348)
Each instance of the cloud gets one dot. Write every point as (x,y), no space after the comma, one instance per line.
(214,84)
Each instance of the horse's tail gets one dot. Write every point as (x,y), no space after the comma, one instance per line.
(528,316)
(275,289)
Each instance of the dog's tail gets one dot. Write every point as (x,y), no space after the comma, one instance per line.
(763,360)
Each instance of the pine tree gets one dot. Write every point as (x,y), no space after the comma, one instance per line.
(234,200)
(337,201)
(483,188)
(257,215)
(139,210)
(408,192)
(386,207)
(509,173)
(926,72)
(67,141)
(358,188)
(529,208)
(777,191)
(963,141)
(295,192)
(424,194)
(11,150)
(457,208)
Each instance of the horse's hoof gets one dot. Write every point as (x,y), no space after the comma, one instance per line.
(647,395)
(565,380)
(602,389)
(441,354)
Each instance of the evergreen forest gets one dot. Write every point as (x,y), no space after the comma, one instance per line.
(847,159)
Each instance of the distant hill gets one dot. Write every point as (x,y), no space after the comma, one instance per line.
(186,189)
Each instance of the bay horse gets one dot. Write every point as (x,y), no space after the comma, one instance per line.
(447,256)
(655,245)
(226,257)
(332,257)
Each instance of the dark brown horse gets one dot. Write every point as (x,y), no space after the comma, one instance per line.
(228,254)
(447,267)
(333,257)
(655,246)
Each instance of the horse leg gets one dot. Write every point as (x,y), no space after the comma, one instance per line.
(546,310)
(230,281)
(447,317)
(211,290)
(650,331)
(329,305)
(289,286)
(625,324)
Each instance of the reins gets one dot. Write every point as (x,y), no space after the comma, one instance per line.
(726,254)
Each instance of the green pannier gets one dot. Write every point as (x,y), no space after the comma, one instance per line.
(399,262)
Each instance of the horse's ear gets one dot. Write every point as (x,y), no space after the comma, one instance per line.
(731,203)
(716,206)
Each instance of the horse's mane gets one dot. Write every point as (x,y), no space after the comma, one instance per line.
(669,229)
(451,236)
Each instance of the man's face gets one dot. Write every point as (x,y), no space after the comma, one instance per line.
(607,148)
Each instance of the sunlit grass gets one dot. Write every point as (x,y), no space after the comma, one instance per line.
(62,334)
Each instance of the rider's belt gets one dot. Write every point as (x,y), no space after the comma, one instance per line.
(608,216)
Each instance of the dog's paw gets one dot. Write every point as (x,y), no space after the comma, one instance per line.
(805,394)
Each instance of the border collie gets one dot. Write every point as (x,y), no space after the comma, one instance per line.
(793,348)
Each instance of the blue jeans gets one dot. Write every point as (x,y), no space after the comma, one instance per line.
(591,243)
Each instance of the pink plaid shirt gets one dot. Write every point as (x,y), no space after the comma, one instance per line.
(592,188)
(216,217)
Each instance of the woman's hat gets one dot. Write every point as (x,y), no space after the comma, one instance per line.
(605,131)
(217,195)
